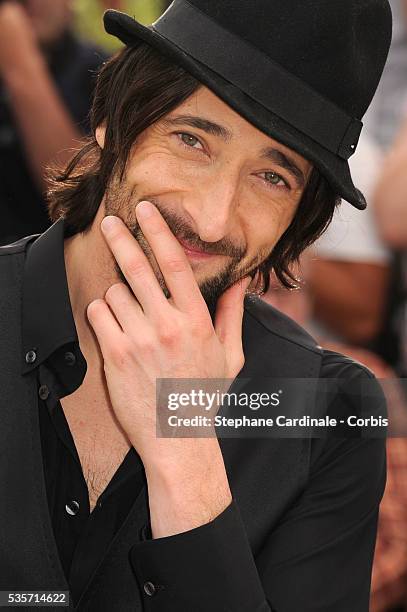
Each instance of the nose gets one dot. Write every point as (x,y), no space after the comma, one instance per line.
(213,206)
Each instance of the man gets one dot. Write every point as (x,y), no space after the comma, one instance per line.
(47,79)
(199,177)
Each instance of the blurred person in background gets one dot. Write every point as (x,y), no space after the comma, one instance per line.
(349,274)
(46,84)
(346,271)
(389,577)
(382,120)
(390,205)
(355,277)
(345,282)
(354,294)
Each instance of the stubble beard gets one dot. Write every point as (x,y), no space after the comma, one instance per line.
(122,202)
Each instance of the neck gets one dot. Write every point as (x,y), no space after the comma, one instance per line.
(90,272)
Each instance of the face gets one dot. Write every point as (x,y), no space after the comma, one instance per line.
(49,18)
(227,191)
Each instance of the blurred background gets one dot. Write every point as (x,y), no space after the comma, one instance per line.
(50,53)
(352,285)
(88,14)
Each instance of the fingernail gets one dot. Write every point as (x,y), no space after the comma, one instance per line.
(144,209)
(109,223)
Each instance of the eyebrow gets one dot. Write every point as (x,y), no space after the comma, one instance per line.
(200,123)
(286,162)
(214,129)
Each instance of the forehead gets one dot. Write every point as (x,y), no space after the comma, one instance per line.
(204,103)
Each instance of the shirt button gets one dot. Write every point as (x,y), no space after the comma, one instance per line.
(72,508)
(70,358)
(149,589)
(43,392)
(30,357)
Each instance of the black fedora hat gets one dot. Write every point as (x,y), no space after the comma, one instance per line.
(302,71)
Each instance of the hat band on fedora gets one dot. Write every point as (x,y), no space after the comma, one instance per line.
(258,76)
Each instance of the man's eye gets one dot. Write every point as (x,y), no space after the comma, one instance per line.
(274,179)
(190,141)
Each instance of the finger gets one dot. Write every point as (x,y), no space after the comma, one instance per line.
(107,330)
(171,258)
(229,318)
(134,264)
(125,308)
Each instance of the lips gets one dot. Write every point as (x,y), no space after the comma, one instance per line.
(187,247)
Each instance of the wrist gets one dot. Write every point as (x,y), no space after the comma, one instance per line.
(186,497)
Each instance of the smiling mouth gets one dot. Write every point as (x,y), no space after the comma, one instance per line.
(193,251)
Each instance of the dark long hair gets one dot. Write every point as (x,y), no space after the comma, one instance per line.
(135,89)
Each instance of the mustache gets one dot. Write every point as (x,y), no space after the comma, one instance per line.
(185,233)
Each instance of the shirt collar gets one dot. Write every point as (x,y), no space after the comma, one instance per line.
(47,319)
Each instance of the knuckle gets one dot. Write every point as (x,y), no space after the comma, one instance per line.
(168,334)
(120,354)
(200,326)
(145,344)
(175,264)
(157,227)
(135,268)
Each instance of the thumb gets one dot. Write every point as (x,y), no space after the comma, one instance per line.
(229,317)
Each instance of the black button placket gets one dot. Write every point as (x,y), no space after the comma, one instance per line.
(72,507)
(149,588)
(70,359)
(30,356)
(43,392)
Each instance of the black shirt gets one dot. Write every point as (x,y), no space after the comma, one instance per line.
(73,65)
(82,536)
(313,546)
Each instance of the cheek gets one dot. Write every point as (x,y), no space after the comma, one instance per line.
(158,167)
(265,224)
(156,172)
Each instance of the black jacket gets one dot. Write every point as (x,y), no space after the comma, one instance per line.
(299,534)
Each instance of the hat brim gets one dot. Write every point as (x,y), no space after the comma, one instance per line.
(335,169)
